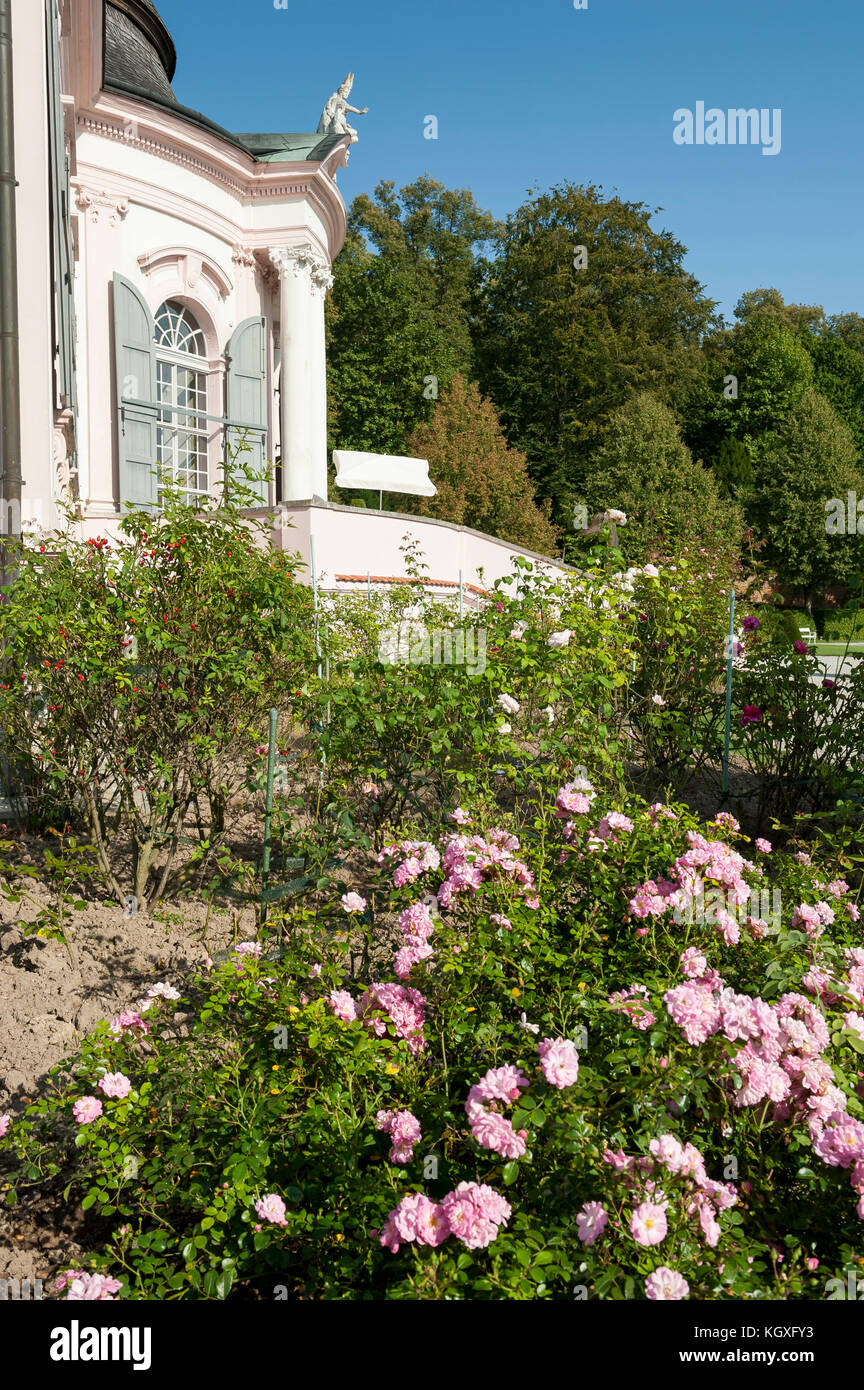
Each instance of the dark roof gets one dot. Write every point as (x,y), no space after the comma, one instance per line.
(138,50)
(139,61)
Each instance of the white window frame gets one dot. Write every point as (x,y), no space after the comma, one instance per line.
(197,364)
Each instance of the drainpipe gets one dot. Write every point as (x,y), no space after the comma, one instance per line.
(10,399)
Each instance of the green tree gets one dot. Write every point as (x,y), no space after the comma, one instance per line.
(561,348)
(481,482)
(733,468)
(404,293)
(849,328)
(644,469)
(798,318)
(773,371)
(810,459)
(838,375)
(753,376)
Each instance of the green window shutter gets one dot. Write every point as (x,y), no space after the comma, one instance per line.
(135,356)
(246,377)
(63,307)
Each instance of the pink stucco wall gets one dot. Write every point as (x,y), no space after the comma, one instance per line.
(358,541)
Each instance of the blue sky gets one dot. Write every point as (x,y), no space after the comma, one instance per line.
(537,92)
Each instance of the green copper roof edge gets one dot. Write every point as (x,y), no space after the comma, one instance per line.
(267,148)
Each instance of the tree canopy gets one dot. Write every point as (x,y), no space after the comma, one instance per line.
(567,356)
(399,314)
(481,481)
(809,460)
(566,336)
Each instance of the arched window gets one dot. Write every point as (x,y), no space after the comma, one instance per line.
(181,384)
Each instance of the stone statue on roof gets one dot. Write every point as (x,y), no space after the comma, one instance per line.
(333,118)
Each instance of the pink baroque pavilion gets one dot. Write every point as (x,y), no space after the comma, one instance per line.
(171,282)
(182,266)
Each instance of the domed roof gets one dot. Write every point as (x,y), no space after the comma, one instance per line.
(139,51)
(140,60)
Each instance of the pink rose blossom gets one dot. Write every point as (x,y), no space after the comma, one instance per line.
(837,887)
(648,1224)
(612,822)
(405,1010)
(404,1130)
(163,991)
(559,1061)
(87,1109)
(693,963)
(666,1284)
(343,1005)
(128,1022)
(634,1003)
(649,901)
(574,798)
(474,1212)
(495,1132)
(352,902)
(591,1221)
(694,1008)
(93,1288)
(115,1084)
(271,1208)
(415,1219)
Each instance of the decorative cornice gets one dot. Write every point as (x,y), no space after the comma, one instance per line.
(128,134)
(303,261)
(98,203)
(129,122)
(201,216)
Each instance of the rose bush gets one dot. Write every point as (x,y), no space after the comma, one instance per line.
(513,1032)
(137,677)
(798,730)
(548,1087)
